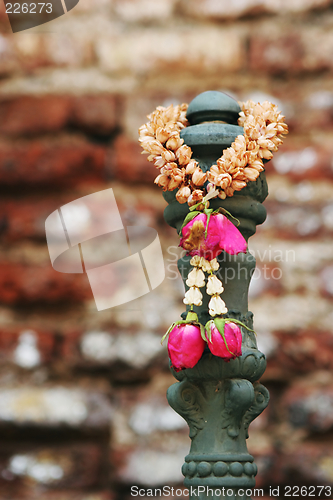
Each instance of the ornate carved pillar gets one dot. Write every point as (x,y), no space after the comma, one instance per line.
(219,399)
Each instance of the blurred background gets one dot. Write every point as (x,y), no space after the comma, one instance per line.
(83,413)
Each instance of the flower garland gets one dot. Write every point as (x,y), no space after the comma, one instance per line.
(205,232)
(205,235)
(264,129)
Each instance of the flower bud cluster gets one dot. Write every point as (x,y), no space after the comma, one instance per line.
(264,130)
(187,339)
(160,139)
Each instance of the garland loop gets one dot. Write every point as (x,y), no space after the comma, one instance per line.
(264,130)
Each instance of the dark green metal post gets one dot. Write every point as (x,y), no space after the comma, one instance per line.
(219,399)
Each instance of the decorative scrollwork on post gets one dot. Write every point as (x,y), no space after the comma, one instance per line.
(261,400)
(186,399)
(239,396)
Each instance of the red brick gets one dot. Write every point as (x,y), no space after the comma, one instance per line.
(8,60)
(4,19)
(306,159)
(278,54)
(309,406)
(126,163)
(96,114)
(269,472)
(293,221)
(223,9)
(301,352)
(170,51)
(266,279)
(325,284)
(309,463)
(29,115)
(301,50)
(39,163)
(74,495)
(305,118)
(31,284)
(27,218)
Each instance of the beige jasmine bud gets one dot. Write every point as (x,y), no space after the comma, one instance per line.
(195,261)
(162,180)
(251,173)
(190,168)
(258,165)
(196,278)
(265,153)
(199,177)
(168,155)
(217,306)
(238,185)
(174,183)
(223,180)
(229,191)
(183,194)
(162,134)
(214,285)
(214,264)
(206,265)
(195,197)
(183,155)
(174,143)
(193,296)
(154,147)
(159,162)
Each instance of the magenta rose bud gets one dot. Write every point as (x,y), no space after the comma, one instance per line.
(185,346)
(231,348)
(221,235)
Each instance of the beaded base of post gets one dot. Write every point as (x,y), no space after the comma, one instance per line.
(212,173)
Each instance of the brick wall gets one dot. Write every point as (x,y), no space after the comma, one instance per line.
(83,413)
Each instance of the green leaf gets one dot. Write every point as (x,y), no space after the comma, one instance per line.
(196,206)
(202,333)
(219,323)
(187,219)
(220,328)
(191,316)
(167,333)
(231,320)
(208,331)
(171,327)
(208,212)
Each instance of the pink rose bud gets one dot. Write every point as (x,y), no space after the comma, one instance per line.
(231,347)
(185,346)
(221,235)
